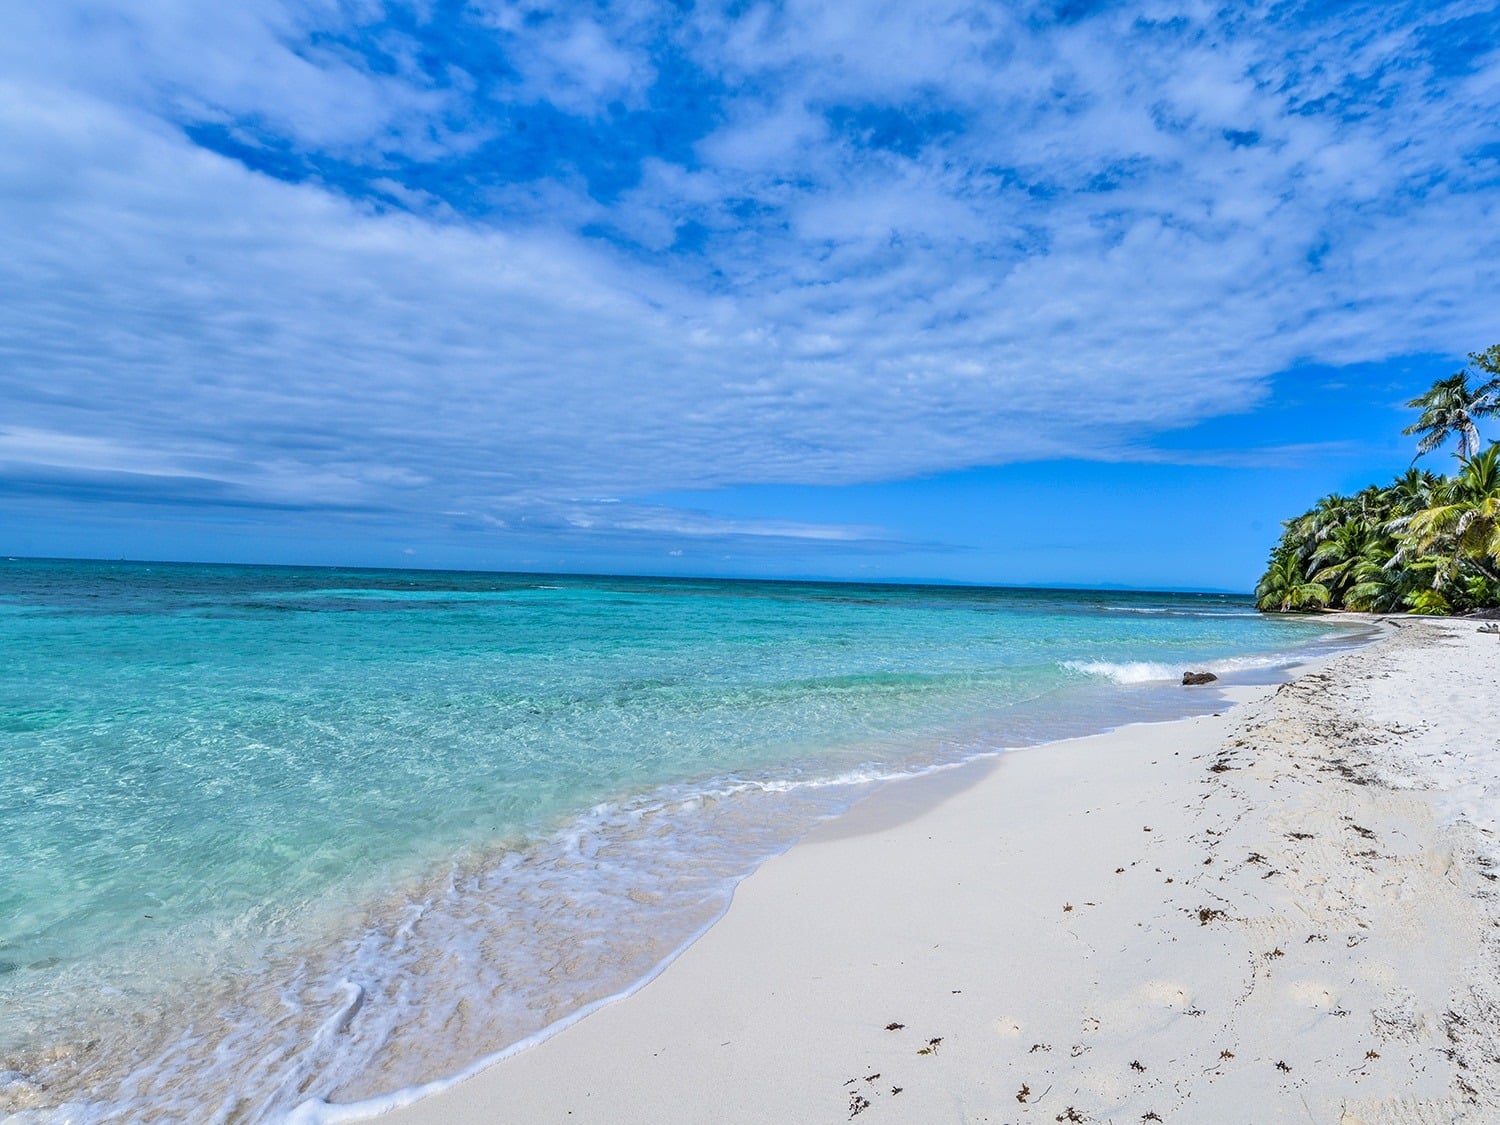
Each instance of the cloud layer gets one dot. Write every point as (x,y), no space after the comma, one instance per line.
(478,266)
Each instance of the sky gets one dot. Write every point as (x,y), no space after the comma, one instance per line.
(1073,292)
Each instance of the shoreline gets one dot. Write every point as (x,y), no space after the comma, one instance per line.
(892,801)
(909,794)
(361,1019)
(1021,921)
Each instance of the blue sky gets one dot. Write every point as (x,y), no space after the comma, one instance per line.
(1072,292)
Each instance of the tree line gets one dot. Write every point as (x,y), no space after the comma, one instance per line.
(1425,543)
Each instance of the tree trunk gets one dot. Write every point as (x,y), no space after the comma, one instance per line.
(1468,441)
(1484,570)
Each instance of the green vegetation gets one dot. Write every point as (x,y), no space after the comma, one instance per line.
(1425,543)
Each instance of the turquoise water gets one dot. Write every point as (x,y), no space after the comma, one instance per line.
(276,834)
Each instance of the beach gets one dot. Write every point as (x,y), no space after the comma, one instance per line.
(1285,911)
(300,837)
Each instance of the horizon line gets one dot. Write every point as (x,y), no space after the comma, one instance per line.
(908,582)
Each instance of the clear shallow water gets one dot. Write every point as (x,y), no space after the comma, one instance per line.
(274,835)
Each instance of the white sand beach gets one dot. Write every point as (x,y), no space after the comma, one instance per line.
(1283,913)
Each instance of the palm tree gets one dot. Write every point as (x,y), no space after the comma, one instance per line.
(1409,493)
(1344,557)
(1285,588)
(1488,361)
(1319,522)
(1451,407)
(1381,586)
(1464,521)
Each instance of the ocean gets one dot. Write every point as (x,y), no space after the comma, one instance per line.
(277,840)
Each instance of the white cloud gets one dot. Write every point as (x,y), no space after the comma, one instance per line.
(25,447)
(263,62)
(570,60)
(1074,259)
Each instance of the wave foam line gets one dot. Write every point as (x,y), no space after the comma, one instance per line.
(1150,671)
(319,1111)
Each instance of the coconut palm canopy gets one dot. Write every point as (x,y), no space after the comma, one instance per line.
(1425,543)
(1452,406)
